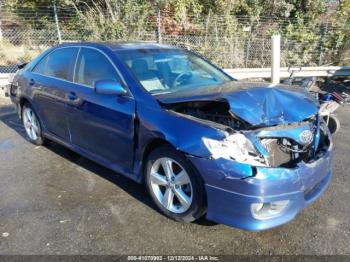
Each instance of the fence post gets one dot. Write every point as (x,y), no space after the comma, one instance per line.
(57,25)
(275,59)
(159,27)
(248,46)
(0,32)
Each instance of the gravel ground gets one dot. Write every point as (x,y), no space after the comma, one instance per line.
(53,201)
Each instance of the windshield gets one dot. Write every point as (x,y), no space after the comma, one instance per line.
(171,70)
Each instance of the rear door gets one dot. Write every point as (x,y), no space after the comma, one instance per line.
(50,80)
(101,124)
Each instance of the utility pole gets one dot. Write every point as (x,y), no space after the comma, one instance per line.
(57,24)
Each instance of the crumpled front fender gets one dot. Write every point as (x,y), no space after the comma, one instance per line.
(182,132)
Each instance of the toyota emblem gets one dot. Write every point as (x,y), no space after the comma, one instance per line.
(306,137)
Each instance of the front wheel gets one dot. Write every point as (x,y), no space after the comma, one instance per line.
(32,125)
(174,186)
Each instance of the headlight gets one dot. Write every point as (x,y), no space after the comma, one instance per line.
(236,147)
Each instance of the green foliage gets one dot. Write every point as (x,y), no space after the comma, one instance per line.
(183,8)
(111,20)
(308,30)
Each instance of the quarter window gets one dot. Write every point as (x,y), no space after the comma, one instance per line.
(41,66)
(58,63)
(91,66)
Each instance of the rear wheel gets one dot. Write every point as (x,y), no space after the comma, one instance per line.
(32,125)
(174,185)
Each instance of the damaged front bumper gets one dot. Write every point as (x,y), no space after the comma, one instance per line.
(234,188)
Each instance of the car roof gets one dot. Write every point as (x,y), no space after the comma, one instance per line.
(120,46)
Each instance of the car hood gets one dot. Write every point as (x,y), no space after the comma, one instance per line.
(259,104)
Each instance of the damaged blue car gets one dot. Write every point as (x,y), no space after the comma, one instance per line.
(244,154)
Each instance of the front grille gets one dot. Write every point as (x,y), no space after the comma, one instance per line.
(285,152)
(277,156)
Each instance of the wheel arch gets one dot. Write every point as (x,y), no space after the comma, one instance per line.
(158,142)
(22,101)
(150,146)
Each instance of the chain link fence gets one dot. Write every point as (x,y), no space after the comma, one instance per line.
(248,46)
(18,46)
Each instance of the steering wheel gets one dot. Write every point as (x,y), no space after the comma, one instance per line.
(181,78)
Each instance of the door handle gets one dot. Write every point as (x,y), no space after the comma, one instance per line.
(72,96)
(31,82)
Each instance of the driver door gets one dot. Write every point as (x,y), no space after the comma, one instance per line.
(102,125)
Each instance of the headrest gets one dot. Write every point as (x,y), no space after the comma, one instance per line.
(139,66)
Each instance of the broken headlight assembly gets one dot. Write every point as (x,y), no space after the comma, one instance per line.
(235,147)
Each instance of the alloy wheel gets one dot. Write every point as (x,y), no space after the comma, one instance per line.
(31,124)
(171,185)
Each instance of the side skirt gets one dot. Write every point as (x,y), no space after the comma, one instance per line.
(93,157)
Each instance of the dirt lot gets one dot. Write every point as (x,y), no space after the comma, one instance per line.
(53,201)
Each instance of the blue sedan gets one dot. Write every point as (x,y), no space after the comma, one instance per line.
(244,154)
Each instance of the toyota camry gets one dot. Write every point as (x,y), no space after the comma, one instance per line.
(245,154)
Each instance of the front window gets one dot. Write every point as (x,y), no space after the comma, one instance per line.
(92,66)
(167,71)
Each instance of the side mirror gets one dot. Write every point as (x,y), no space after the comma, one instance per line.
(21,65)
(109,87)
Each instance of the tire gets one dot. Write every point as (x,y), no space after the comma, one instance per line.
(189,189)
(333,124)
(32,125)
